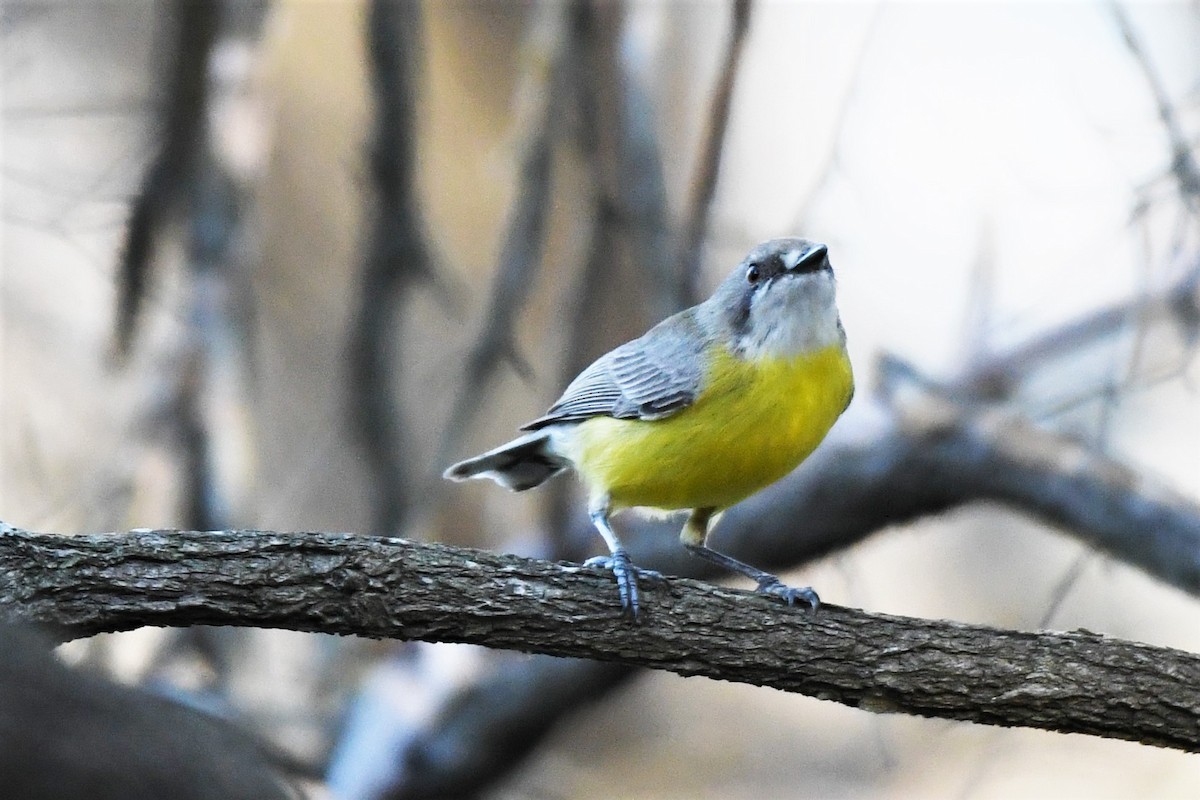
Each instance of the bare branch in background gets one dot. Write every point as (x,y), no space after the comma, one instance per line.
(704,184)
(213,366)
(68,735)
(619,138)
(171,175)
(1183,162)
(397,257)
(996,377)
(490,727)
(540,104)
(641,186)
(620,142)
(342,583)
(829,165)
(599,317)
(596,29)
(204,507)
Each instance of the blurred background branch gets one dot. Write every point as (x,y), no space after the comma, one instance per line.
(1183,161)
(708,165)
(397,259)
(540,105)
(173,175)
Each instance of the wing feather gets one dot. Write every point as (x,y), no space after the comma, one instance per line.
(649,378)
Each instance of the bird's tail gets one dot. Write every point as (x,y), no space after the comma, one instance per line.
(521,464)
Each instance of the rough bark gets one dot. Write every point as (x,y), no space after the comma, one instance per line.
(1076,682)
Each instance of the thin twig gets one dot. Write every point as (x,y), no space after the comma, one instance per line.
(1183,163)
(600,316)
(841,117)
(704,185)
(998,376)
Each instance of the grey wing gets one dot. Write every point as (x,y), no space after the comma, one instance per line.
(649,378)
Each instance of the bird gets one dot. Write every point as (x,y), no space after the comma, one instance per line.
(706,408)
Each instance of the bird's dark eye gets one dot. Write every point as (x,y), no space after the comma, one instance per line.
(753,274)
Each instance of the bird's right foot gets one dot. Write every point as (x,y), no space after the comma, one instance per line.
(626,574)
(773,587)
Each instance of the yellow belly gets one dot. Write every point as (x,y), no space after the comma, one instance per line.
(753,424)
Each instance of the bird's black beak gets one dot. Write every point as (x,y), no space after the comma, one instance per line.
(816,259)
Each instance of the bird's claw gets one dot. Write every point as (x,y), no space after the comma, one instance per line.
(606,562)
(626,574)
(773,587)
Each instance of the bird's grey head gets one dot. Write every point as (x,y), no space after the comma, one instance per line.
(780,301)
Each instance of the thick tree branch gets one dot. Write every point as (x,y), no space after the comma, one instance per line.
(348,584)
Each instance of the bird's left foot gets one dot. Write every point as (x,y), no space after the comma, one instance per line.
(773,587)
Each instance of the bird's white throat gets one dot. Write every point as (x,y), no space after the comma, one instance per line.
(796,314)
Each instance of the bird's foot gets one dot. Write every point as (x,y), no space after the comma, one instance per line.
(606,562)
(626,574)
(773,587)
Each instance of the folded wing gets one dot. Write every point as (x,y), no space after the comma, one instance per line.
(649,378)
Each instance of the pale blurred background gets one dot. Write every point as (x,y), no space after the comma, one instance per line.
(981,172)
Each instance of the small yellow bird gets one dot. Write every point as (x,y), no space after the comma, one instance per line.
(703,410)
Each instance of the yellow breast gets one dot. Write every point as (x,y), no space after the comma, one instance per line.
(753,424)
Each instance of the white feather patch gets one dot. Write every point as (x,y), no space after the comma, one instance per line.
(797,313)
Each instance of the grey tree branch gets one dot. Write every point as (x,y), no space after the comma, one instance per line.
(540,101)
(171,176)
(997,376)
(396,259)
(349,584)
(704,186)
(1183,163)
(490,727)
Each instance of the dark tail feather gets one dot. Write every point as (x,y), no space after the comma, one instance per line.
(519,465)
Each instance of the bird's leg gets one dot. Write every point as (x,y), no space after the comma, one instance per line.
(694,537)
(617,560)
